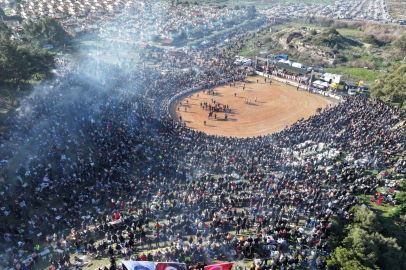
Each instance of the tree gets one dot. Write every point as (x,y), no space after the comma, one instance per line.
(391,85)
(44,31)
(370,39)
(5,31)
(252,11)
(366,219)
(43,63)
(155,38)
(237,7)
(2,14)
(400,43)
(365,250)
(390,253)
(345,259)
(20,62)
(362,243)
(332,31)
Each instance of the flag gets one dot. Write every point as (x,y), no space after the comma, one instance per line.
(170,266)
(219,266)
(139,265)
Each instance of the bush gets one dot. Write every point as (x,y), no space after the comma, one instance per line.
(400,197)
(370,39)
(396,212)
(332,31)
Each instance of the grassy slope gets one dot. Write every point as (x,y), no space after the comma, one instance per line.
(356,73)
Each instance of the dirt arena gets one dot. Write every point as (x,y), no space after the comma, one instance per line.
(277,105)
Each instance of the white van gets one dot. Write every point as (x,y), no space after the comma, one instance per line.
(298,65)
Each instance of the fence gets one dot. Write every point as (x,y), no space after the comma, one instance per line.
(315,90)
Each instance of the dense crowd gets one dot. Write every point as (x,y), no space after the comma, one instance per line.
(101,158)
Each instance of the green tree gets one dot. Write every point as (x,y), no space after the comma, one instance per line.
(20,62)
(42,63)
(2,14)
(370,39)
(391,85)
(390,253)
(5,31)
(13,61)
(362,243)
(252,11)
(400,43)
(366,219)
(44,31)
(345,259)
(332,31)
(237,7)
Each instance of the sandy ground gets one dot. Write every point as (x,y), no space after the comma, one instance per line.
(277,105)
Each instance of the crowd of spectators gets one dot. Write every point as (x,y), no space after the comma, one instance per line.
(103,169)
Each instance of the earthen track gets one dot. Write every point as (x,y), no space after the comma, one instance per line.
(277,105)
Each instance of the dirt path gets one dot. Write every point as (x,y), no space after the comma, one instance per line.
(277,105)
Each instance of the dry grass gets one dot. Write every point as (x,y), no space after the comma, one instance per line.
(381,32)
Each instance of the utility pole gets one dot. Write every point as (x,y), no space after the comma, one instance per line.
(310,81)
(267,65)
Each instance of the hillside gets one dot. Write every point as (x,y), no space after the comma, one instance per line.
(321,45)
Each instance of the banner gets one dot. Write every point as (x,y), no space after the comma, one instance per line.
(170,266)
(219,266)
(138,265)
(143,265)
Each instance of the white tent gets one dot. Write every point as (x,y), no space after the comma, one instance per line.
(320,84)
(287,62)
